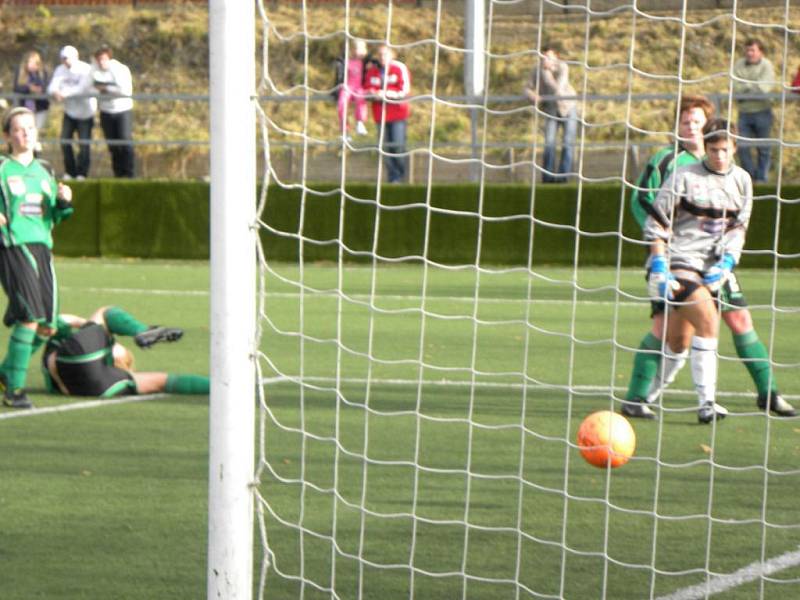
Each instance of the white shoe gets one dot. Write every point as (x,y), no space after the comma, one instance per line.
(80,178)
(361,129)
(66,177)
(711,411)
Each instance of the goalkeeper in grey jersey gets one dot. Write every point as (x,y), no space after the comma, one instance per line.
(693,113)
(702,214)
(697,232)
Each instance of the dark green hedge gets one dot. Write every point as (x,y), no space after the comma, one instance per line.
(148,219)
(451,224)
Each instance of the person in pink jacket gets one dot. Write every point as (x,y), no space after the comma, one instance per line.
(352,89)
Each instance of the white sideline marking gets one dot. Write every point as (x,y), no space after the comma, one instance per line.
(33,412)
(744,575)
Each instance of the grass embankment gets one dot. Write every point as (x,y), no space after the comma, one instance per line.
(621,54)
(167,50)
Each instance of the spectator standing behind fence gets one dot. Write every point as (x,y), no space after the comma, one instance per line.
(72,85)
(550,77)
(754,76)
(113,81)
(389,84)
(351,88)
(31,79)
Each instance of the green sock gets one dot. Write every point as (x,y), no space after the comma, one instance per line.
(754,354)
(20,347)
(37,343)
(122,322)
(187,384)
(645,367)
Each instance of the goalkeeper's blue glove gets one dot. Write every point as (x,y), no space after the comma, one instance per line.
(660,282)
(718,273)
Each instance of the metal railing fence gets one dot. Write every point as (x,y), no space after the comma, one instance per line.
(187,150)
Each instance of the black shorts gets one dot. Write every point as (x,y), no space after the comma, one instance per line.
(86,366)
(731,297)
(29,280)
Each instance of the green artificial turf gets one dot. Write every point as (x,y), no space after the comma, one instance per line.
(419,436)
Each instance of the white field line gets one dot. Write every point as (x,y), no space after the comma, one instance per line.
(135,291)
(600,389)
(723,583)
(362,297)
(642,303)
(98,403)
(48,410)
(128,399)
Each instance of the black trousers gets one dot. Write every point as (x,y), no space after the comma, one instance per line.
(84,129)
(118,127)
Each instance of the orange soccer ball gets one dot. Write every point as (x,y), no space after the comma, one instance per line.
(606,439)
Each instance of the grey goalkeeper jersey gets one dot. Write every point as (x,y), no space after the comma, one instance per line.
(701,215)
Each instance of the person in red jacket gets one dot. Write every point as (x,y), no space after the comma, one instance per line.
(389,84)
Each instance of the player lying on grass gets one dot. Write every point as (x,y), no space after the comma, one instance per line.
(31,204)
(694,113)
(83,358)
(697,232)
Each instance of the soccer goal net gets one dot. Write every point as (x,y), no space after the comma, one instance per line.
(428,348)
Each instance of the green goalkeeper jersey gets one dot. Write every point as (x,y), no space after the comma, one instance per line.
(655,173)
(28,201)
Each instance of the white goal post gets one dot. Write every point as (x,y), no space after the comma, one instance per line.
(232,299)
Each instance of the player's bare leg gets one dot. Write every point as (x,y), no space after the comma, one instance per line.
(700,311)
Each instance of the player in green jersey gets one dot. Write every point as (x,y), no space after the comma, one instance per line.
(83,358)
(31,203)
(695,111)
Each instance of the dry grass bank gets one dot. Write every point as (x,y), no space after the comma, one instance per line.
(167,50)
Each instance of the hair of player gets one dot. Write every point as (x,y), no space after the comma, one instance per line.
(17,110)
(692,101)
(754,42)
(717,130)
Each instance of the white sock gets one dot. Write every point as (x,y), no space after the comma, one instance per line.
(704,368)
(671,364)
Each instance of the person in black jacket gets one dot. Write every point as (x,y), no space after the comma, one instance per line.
(31,80)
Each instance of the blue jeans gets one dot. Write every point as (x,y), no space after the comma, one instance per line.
(755,125)
(569,123)
(394,144)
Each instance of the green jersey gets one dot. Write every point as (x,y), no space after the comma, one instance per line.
(655,173)
(28,201)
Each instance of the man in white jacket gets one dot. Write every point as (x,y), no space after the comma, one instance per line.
(72,85)
(113,81)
